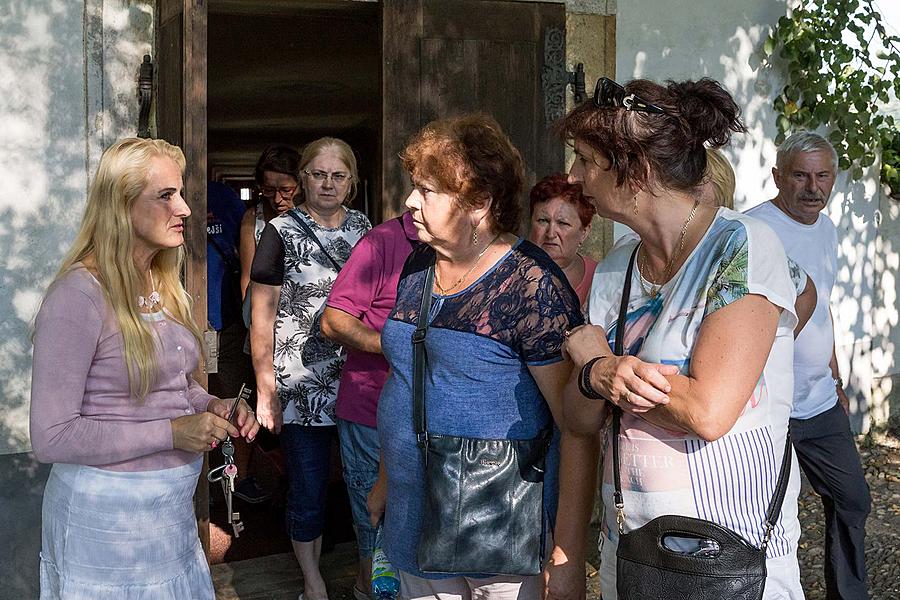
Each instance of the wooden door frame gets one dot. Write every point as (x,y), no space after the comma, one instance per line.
(181,43)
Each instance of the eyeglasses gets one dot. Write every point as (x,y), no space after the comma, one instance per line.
(285,192)
(337,178)
(609,94)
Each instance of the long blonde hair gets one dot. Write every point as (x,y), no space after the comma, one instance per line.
(106,240)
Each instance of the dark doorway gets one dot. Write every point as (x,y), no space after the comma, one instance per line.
(369,72)
(289,72)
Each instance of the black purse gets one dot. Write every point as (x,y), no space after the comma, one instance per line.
(719,565)
(483,510)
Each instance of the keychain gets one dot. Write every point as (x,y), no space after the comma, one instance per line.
(227,473)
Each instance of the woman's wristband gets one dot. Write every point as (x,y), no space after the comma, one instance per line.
(584,380)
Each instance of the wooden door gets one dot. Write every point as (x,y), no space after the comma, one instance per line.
(447,57)
(181,120)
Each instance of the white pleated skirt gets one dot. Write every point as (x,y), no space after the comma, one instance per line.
(122,536)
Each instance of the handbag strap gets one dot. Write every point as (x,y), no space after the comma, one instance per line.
(619,350)
(418,340)
(312,235)
(784,473)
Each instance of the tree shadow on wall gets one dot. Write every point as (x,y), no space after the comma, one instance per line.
(675,49)
(73,97)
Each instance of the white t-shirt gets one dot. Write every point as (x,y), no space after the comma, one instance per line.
(729,481)
(814,248)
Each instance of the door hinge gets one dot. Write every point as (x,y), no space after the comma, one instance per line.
(555,78)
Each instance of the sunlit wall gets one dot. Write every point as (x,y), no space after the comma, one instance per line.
(660,40)
(69,77)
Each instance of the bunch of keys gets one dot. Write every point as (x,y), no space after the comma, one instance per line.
(227,473)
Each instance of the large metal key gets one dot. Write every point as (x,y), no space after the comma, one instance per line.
(234,518)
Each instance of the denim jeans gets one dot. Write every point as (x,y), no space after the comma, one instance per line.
(307,454)
(360,452)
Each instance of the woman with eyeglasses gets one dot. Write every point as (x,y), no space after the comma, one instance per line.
(277,174)
(297,369)
(704,388)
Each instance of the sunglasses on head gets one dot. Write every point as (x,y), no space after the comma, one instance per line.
(609,94)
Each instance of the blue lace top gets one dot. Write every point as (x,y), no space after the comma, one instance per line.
(480,344)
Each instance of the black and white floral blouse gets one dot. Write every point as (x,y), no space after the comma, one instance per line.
(307,366)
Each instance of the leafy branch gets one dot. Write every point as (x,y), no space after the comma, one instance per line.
(841,65)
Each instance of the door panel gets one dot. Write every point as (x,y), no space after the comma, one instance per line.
(444,58)
(181,120)
(480,20)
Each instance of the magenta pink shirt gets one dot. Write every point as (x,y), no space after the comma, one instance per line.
(82,411)
(366,288)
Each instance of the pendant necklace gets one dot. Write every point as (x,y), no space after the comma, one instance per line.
(667,272)
(152,300)
(437,278)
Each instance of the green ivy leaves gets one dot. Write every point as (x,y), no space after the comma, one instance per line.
(890,160)
(832,78)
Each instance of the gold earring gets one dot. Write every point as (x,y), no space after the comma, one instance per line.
(474,235)
(635,205)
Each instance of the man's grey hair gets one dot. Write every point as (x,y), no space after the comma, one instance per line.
(804,141)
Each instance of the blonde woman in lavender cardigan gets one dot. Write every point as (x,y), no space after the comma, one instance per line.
(113,404)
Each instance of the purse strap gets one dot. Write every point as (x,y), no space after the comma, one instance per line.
(418,341)
(619,350)
(784,473)
(312,235)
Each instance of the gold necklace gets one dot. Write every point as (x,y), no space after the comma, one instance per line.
(667,272)
(456,284)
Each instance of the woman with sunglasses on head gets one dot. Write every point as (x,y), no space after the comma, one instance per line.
(113,402)
(297,369)
(705,384)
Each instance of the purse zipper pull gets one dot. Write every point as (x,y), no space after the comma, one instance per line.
(620,511)
(767,536)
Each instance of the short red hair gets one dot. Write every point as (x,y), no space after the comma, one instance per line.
(470,156)
(558,186)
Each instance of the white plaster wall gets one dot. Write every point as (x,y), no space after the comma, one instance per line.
(886,340)
(68,71)
(722,40)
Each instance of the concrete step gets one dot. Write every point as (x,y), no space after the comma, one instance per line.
(277,577)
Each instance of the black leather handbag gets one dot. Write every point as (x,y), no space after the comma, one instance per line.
(484,510)
(715,564)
